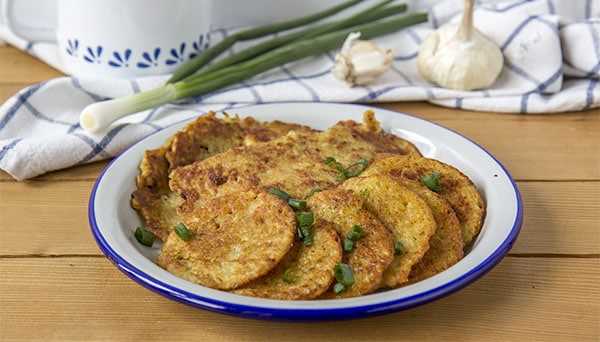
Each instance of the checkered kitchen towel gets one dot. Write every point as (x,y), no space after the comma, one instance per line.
(552,64)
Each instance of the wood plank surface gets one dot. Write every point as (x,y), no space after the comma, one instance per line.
(64,299)
(50,218)
(19,67)
(56,286)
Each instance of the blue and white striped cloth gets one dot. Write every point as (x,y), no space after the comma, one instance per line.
(552,64)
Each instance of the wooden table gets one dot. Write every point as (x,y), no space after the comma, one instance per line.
(55,284)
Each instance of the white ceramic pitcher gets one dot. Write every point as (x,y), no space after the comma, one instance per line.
(117,38)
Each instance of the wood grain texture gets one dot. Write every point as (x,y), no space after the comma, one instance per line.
(50,290)
(19,67)
(560,218)
(88,299)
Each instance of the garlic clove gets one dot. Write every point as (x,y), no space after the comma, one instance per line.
(361,62)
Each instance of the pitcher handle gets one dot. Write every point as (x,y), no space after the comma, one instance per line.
(29,33)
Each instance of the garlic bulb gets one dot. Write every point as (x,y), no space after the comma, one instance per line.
(360,62)
(460,57)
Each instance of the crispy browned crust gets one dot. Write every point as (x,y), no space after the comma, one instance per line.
(446,245)
(206,136)
(308,269)
(457,189)
(370,132)
(404,213)
(372,254)
(293,162)
(236,238)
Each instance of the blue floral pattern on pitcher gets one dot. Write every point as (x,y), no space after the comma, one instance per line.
(72,47)
(177,56)
(145,59)
(149,59)
(93,56)
(200,45)
(120,60)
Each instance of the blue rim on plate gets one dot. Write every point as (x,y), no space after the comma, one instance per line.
(295,314)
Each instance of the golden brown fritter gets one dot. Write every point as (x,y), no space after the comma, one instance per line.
(456,188)
(306,271)
(404,213)
(286,162)
(235,239)
(294,163)
(372,254)
(446,245)
(206,136)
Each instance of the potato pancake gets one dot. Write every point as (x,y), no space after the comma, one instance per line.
(305,273)
(294,163)
(446,245)
(404,213)
(371,254)
(204,137)
(234,239)
(455,187)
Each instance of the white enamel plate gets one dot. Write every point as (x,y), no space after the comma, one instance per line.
(113,221)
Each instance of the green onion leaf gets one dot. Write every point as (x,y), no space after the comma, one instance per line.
(307,235)
(288,277)
(432,181)
(98,115)
(343,274)
(398,248)
(356,168)
(305,218)
(144,236)
(355,233)
(331,162)
(183,232)
(279,193)
(338,288)
(348,245)
(297,204)
(193,65)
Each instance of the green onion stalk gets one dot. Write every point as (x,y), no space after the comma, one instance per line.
(365,16)
(211,53)
(99,115)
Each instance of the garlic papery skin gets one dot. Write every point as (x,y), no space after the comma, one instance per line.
(459,56)
(361,62)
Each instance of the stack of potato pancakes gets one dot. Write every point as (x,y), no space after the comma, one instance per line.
(283,211)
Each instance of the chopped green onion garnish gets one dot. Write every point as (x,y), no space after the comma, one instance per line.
(348,245)
(349,172)
(432,181)
(144,236)
(355,233)
(307,235)
(398,248)
(279,193)
(313,191)
(331,162)
(183,232)
(356,168)
(338,288)
(305,218)
(288,277)
(343,274)
(297,204)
